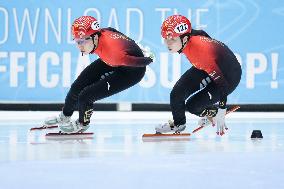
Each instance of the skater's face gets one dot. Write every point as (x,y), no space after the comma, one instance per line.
(174,44)
(86,44)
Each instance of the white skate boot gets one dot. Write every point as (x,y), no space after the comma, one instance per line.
(73,127)
(204,122)
(169,127)
(56,120)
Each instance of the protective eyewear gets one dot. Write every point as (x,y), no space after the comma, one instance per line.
(82,41)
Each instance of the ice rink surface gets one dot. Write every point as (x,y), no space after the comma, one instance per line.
(117,156)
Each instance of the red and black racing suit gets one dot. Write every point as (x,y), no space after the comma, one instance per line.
(215,74)
(121,64)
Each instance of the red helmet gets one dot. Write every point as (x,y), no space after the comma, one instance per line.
(85,26)
(175,26)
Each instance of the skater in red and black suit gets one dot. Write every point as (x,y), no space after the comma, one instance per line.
(215,73)
(121,65)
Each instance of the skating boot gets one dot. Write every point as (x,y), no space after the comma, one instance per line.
(56,120)
(169,127)
(73,127)
(204,121)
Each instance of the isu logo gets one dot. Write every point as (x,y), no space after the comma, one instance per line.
(119,36)
(209,112)
(87,115)
(208,40)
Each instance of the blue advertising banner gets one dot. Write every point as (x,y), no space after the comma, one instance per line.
(39,61)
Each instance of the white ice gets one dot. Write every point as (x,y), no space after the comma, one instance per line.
(117,157)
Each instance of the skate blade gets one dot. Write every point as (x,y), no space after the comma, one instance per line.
(197,129)
(72,136)
(233,109)
(166,137)
(43,127)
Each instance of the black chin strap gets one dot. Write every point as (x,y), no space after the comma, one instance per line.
(183,44)
(94,48)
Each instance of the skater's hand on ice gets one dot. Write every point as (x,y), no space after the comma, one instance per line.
(219,120)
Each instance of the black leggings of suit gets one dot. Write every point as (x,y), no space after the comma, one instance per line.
(195,92)
(98,81)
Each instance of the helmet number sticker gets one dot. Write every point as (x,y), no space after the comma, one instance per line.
(181,28)
(95,25)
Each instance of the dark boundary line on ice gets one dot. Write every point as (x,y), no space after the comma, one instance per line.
(132,107)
